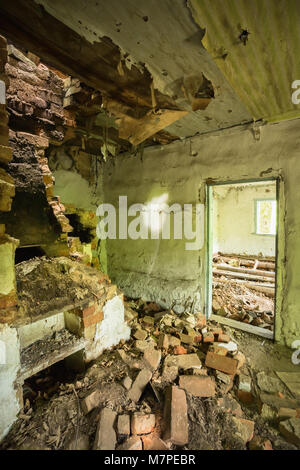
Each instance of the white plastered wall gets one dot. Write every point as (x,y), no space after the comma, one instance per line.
(234,219)
(9,369)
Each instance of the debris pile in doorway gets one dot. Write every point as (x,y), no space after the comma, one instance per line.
(244,290)
(179,382)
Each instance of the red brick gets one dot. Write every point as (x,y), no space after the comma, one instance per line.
(245,428)
(197,386)
(198,338)
(154,443)
(222,338)
(201,320)
(93,319)
(175,413)
(222,363)
(208,337)
(245,397)
(179,350)
(267,445)
(217,331)
(87,311)
(241,359)
(142,423)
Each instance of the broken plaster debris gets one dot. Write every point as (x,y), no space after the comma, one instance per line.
(204,390)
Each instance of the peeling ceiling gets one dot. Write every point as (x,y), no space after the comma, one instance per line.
(163,36)
(170,68)
(262,68)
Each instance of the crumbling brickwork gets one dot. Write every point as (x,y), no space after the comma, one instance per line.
(55,123)
(34,100)
(8,295)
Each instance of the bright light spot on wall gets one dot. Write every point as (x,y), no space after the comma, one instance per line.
(154,215)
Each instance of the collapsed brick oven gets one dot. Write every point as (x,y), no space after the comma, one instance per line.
(54,304)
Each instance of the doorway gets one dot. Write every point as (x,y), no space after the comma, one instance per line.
(242,240)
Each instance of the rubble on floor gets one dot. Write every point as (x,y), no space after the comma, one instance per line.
(178,383)
(244,290)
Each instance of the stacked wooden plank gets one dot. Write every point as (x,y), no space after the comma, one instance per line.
(254,273)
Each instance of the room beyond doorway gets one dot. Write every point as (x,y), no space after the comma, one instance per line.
(242,252)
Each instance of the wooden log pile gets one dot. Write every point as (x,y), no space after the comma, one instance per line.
(256,274)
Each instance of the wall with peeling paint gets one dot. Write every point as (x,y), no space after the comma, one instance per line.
(163,270)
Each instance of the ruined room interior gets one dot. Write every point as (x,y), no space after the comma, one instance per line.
(140,343)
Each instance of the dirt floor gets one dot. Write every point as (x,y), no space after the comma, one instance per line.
(53,416)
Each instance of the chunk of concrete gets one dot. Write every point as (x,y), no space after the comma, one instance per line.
(138,386)
(175,414)
(105,438)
